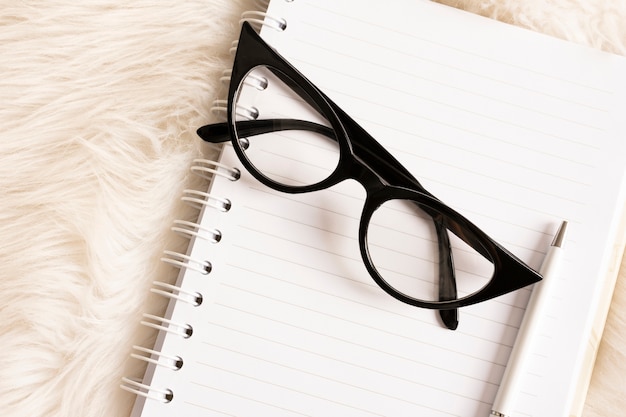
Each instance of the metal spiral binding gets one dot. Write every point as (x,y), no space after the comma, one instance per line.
(198,199)
(257,19)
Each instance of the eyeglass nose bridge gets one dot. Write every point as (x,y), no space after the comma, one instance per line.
(367,176)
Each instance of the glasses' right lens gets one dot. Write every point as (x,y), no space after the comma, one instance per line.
(281,131)
(405,250)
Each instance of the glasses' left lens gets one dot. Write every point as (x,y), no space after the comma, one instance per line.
(281,131)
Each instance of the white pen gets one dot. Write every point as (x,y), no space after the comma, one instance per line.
(525,340)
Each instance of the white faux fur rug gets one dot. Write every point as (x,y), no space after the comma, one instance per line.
(99,105)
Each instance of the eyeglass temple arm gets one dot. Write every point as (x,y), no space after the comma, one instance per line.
(447,280)
(218,132)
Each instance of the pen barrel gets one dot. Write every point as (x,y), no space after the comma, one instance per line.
(527,334)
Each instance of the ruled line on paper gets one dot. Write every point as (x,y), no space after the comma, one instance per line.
(513,162)
(389,311)
(465,71)
(478,133)
(483,135)
(394,29)
(494,197)
(409,337)
(214,410)
(350,363)
(534,132)
(300,243)
(519,185)
(307,266)
(370,284)
(352,237)
(392,70)
(355,259)
(575,181)
(319,375)
(234,394)
(287,388)
(298,199)
(525,127)
(440,379)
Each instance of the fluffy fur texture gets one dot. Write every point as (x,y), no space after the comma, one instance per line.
(99,104)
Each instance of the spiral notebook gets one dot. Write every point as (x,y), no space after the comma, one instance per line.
(274,314)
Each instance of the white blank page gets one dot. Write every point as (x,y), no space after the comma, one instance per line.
(513,129)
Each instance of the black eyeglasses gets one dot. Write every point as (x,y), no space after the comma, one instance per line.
(291,137)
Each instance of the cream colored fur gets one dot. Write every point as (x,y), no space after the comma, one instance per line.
(99,102)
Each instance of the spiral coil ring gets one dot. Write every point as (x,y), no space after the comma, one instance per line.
(170,362)
(143,390)
(203,167)
(253,80)
(185,261)
(199,199)
(173,292)
(160,323)
(191,229)
(259,19)
(233,47)
(220,108)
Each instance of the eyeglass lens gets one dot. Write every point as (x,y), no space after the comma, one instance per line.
(293,157)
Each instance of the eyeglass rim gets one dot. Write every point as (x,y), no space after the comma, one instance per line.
(504,262)
(253,52)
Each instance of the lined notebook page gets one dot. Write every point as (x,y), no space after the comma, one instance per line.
(515,130)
